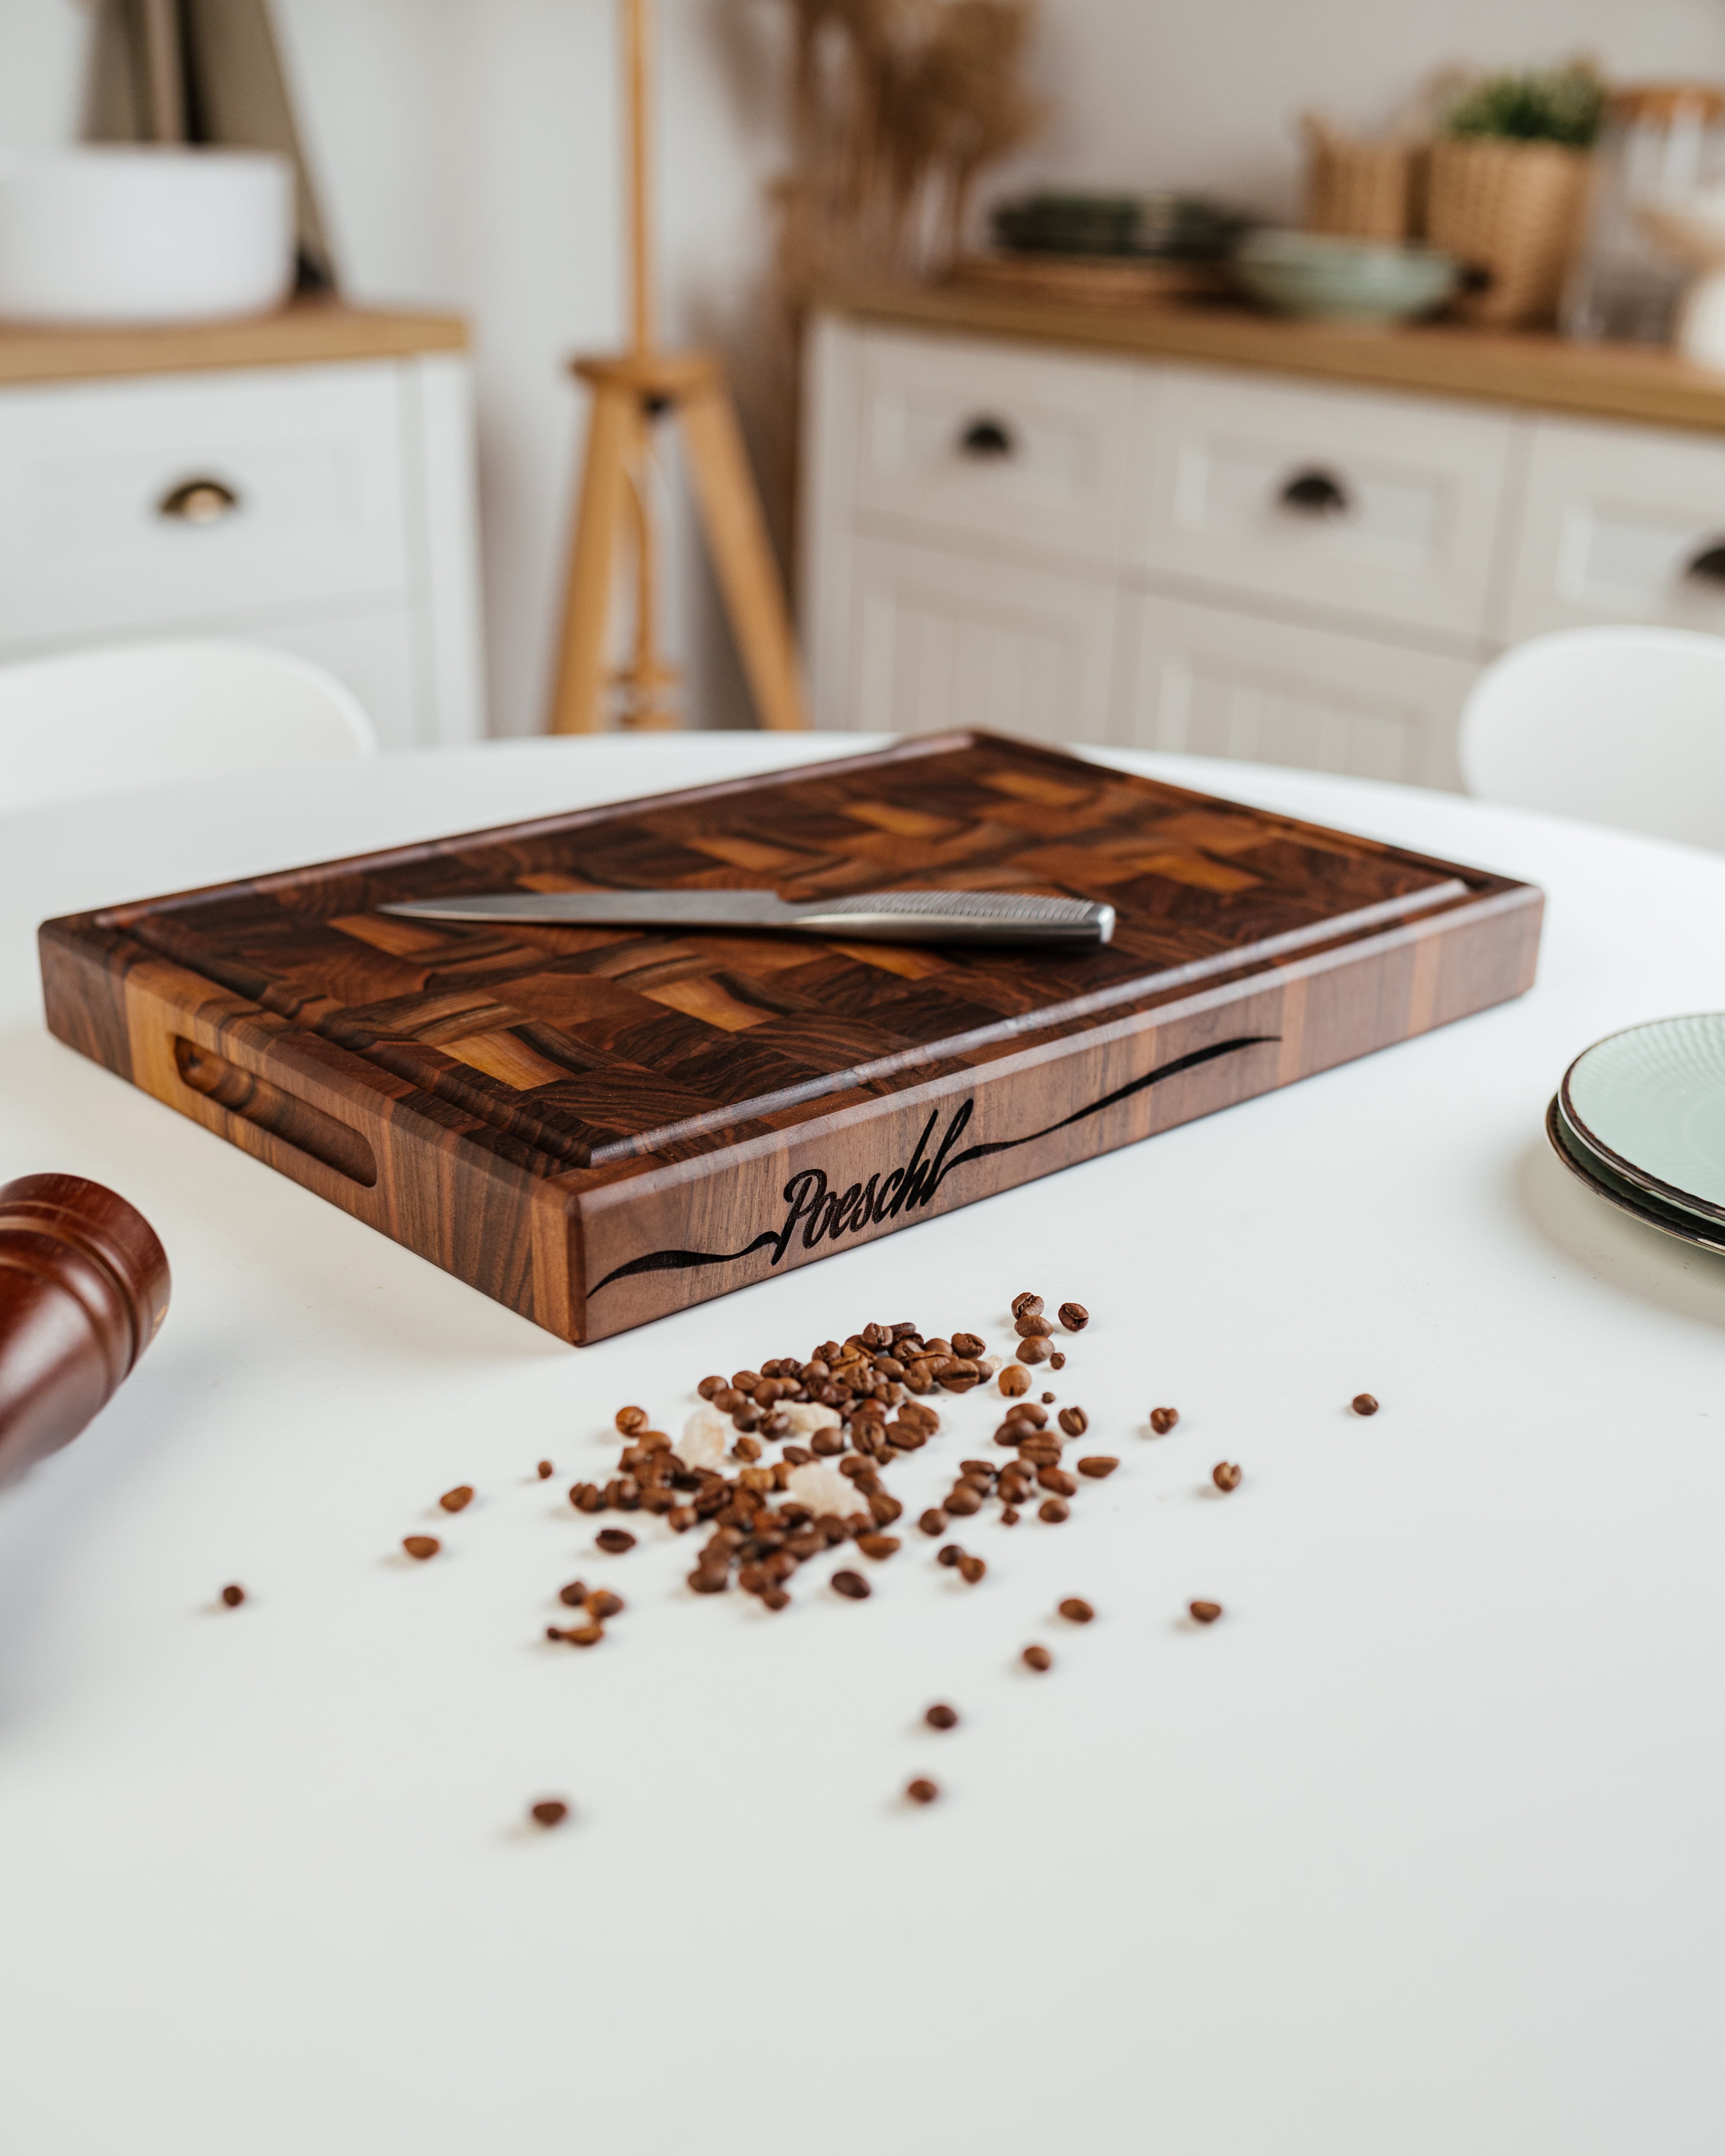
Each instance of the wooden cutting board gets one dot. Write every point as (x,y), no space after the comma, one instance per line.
(597,1126)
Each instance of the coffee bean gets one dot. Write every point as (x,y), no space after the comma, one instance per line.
(1057,1480)
(969,1345)
(709,1579)
(972,1568)
(1015,1378)
(709,1386)
(585,1635)
(1057,1361)
(1225,1475)
(959,1377)
(852,1586)
(921,1791)
(1205,1612)
(421,1546)
(1076,1610)
(546,1470)
(1363,1403)
(826,1443)
(586,1497)
(1074,1317)
(616,1540)
(233,1596)
(1074,1421)
(1009,1515)
(941,1718)
(775,1598)
(630,1420)
(1163,1419)
(933,1521)
(746,1449)
(1097,1466)
(962,1501)
(458,1499)
(549,1811)
(1032,1351)
(1026,1305)
(1048,1399)
(1054,1510)
(603,1604)
(1039,1658)
(949,1555)
(1028,1411)
(574,1596)
(1031,1325)
(880,1546)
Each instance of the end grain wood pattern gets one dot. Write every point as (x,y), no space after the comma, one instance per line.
(597,1126)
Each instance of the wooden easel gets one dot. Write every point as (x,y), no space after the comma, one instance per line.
(631,394)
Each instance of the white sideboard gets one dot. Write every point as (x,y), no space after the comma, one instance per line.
(1093,547)
(325,506)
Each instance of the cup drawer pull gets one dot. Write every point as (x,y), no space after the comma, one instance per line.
(986,437)
(1314,492)
(198,501)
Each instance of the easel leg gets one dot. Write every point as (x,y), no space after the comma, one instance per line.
(736,538)
(586,605)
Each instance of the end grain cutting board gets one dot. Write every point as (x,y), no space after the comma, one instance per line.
(600,1125)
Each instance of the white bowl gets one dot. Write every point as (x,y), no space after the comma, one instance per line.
(144,235)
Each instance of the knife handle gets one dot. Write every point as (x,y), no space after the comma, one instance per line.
(963,916)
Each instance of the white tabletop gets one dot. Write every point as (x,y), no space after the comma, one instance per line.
(1416,1851)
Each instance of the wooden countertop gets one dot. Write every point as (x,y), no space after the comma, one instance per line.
(303,333)
(1543,371)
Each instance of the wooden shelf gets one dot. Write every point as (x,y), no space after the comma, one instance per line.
(303,334)
(1638,383)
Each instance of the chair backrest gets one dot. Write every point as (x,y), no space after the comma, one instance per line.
(1624,726)
(138,715)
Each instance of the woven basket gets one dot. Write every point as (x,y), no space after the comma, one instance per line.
(1365,190)
(1512,210)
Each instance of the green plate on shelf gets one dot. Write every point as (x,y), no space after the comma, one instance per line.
(1648,1105)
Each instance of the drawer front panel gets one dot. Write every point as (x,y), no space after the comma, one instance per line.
(938,640)
(999,443)
(1204,681)
(1620,524)
(288,485)
(1381,507)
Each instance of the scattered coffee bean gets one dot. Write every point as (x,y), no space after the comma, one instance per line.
(421,1546)
(1054,1510)
(1031,1325)
(1074,1317)
(852,1586)
(775,1598)
(1163,1419)
(1076,1610)
(1026,1305)
(1205,1612)
(549,1811)
(1074,1421)
(962,1501)
(458,1499)
(233,1596)
(1038,1658)
(709,1579)
(546,1470)
(1032,1351)
(1014,1380)
(574,1596)
(616,1540)
(972,1568)
(585,1635)
(1225,1475)
(1048,1399)
(923,1791)
(880,1546)
(950,1554)
(630,1420)
(1363,1403)
(1097,1466)
(603,1604)
(1057,1361)
(969,1345)
(1057,1480)
(941,1718)
(1009,1515)
(933,1521)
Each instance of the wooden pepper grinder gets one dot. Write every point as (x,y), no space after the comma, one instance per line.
(84,1288)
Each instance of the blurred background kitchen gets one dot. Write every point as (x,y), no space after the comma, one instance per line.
(1100,486)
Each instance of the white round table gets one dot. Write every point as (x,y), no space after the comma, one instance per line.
(1418,1850)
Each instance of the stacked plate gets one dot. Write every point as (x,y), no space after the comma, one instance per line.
(1640,1118)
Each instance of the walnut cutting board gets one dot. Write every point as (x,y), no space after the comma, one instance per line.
(600,1125)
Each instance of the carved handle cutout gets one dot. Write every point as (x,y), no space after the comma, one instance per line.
(1316,493)
(294,1122)
(1709,567)
(986,437)
(198,501)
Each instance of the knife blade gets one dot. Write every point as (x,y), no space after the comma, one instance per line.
(890,917)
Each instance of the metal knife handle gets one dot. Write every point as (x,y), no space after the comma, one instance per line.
(967,917)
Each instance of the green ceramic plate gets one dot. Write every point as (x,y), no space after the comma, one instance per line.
(1649,1105)
(1669,1219)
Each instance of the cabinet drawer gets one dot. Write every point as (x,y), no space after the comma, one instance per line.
(997,443)
(1207,681)
(937,640)
(1615,520)
(1381,507)
(311,458)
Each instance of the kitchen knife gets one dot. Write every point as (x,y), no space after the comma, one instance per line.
(889,916)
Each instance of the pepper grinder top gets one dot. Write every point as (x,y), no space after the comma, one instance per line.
(84,1288)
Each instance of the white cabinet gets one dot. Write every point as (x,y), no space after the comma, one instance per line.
(326,508)
(1386,508)
(1621,524)
(1206,681)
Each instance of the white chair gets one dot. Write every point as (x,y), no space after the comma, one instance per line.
(1624,726)
(136,714)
